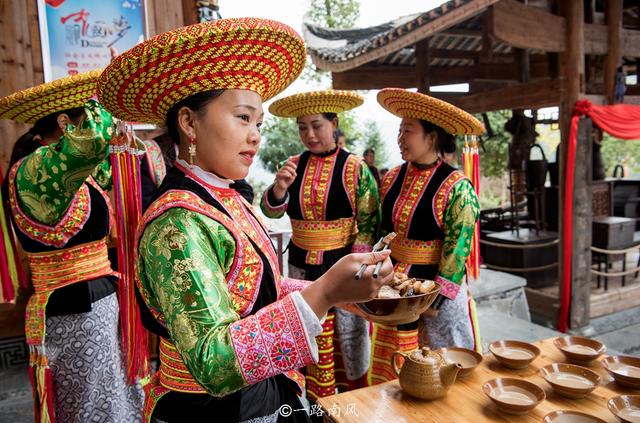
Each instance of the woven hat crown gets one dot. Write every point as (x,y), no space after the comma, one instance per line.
(315,102)
(34,103)
(144,82)
(413,105)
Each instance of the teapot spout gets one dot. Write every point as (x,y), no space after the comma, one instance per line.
(448,373)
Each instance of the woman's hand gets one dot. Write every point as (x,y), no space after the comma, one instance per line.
(284,178)
(338,285)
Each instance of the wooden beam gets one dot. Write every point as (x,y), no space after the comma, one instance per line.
(422,65)
(521,56)
(369,77)
(582,215)
(614,56)
(526,27)
(544,93)
(529,27)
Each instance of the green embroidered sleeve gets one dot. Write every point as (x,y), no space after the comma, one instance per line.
(102,174)
(184,257)
(367,209)
(48,179)
(459,221)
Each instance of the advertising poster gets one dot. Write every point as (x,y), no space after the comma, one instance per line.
(81,35)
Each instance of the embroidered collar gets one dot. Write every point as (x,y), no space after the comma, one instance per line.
(202,176)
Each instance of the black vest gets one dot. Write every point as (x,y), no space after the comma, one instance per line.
(253,401)
(424,226)
(77,297)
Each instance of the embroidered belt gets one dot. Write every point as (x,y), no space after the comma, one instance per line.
(173,374)
(56,269)
(319,235)
(412,251)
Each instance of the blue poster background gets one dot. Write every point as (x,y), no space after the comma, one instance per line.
(81,33)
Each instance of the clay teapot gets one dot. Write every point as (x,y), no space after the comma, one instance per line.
(425,374)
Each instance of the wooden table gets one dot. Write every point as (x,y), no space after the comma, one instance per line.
(465,402)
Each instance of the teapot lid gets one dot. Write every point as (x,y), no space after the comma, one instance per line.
(426,356)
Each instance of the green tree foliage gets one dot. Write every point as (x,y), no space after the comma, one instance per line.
(373,139)
(616,151)
(280,140)
(495,156)
(280,137)
(334,13)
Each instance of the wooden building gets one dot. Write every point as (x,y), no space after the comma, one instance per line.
(514,55)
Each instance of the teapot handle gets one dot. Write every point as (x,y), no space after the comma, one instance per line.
(396,370)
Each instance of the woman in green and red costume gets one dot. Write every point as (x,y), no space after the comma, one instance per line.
(55,190)
(332,200)
(433,209)
(233,330)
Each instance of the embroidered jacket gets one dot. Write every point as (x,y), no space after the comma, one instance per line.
(208,274)
(434,212)
(57,201)
(333,204)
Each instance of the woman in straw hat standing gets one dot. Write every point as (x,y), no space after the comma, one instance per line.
(61,215)
(433,208)
(332,200)
(233,331)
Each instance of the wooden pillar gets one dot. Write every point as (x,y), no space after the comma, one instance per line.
(582,217)
(614,54)
(422,65)
(521,57)
(572,73)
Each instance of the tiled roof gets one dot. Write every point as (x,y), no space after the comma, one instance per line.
(392,42)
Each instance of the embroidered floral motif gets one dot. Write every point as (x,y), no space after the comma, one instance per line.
(449,289)
(270,351)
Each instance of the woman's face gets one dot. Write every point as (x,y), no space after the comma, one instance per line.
(415,145)
(227,133)
(316,133)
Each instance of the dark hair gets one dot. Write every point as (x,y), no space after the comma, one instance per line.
(368,150)
(445,142)
(196,102)
(167,147)
(26,144)
(43,128)
(339,133)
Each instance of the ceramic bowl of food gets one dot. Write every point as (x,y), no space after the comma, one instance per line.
(570,416)
(514,354)
(400,310)
(578,349)
(468,359)
(513,396)
(569,380)
(624,369)
(626,408)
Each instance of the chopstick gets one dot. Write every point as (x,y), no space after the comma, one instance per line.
(376,271)
(360,271)
(384,242)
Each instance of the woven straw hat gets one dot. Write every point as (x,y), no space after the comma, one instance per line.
(143,83)
(412,105)
(315,102)
(37,102)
